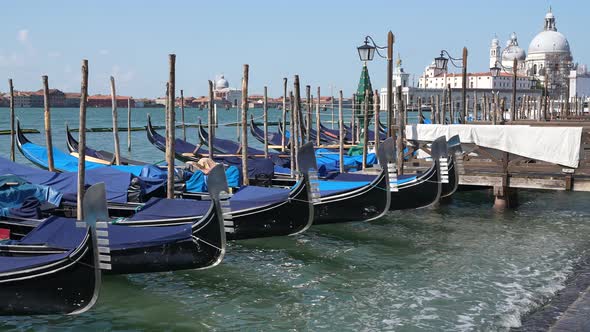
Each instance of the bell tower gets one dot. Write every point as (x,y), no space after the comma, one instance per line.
(495,54)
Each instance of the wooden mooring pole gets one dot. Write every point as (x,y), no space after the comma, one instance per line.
(82,143)
(297,111)
(171,124)
(12,119)
(47,116)
(265,120)
(182,115)
(244,148)
(376,109)
(317,119)
(128,124)
(210,127)
(115,122)
(292,143)
(308,114)
(365,127)
(341,133)
(420,118)
(284,115)
(400,131)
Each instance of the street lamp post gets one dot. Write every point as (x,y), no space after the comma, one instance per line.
(441,62)
(366,53)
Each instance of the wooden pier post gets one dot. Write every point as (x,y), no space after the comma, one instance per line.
(365,127)
(12,131)
(317,119)
(432,110)
(400,131)
(128,124)
(450,99)
(82,142)
(284,115)
(436,109)
(308,114)
(182,114)
(443,115)
(210,127)
(376,110)
(292,144)
(171,123)
(47,115)
(265,116)
(244,147)
(389,106)
(420,118)
(298,120)
(493,109)
(115,122)
(352,119)
(340,133)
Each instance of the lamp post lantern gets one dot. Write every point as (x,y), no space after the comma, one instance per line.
(366,51)
(441,63)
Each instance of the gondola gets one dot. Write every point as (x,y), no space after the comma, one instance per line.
(410,191)
(261,212)
(164,235)
(226,146)
(126,183)
(274,138)
(62,277)
(106,156)
(257,211)
(259,170)
(339,201)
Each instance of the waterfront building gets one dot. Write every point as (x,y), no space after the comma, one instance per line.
(106,101)
(72,99)
(579,82)
(549,58)
(227,95)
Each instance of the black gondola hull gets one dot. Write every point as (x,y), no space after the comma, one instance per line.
(369,203)
(424,192)
(290,217)
(62,288)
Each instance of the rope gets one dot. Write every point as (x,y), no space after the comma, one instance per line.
(207,243)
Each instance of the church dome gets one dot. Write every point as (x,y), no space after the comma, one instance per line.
(512,50)
(221,83)
(549,41)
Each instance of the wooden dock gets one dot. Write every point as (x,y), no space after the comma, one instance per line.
(505,172)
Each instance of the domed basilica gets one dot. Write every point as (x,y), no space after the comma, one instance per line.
(549,57)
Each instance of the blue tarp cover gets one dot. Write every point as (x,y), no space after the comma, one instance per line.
(256,167)
(13,196)
(252,196)
(63,233)
(117,182)
(162,208)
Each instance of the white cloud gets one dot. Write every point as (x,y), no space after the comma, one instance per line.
(23,36)
(104,52)
(122,76)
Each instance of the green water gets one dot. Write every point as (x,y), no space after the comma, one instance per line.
(459,267)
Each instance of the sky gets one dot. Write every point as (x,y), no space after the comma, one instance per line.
(317,40)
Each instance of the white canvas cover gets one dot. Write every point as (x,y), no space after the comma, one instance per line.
(558,145)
